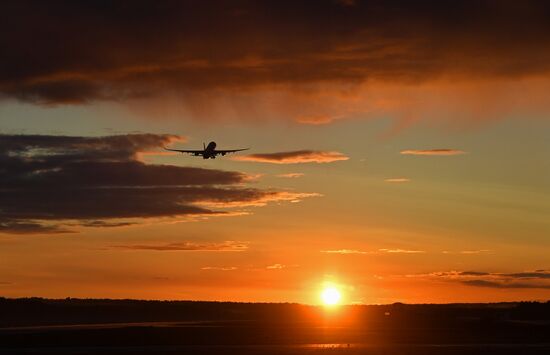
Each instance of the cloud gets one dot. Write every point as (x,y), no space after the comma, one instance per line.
(398,180)
(185,46)
(219,268)
(531,279)
(316,119)
(494,284)
(275,266)
(346,251)
(438,152)
(401,251)
(291,175)
(294,157)
(314,63)
(468,252)
(53,183)
(379,251)
(187,246)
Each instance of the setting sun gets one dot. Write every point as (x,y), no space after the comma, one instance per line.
(330,296)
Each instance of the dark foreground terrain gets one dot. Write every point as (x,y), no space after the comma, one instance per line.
(74,326)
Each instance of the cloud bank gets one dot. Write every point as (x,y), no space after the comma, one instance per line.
(50,184)
(53,57)
(312,58)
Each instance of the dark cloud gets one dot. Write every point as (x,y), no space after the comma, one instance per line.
(50,183)
(295,157)
(540,274)
(495,284)
(530,279)
(473,273)
(187,246)
(73,52)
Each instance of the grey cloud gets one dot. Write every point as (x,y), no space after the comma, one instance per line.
(65,51)
(52,183)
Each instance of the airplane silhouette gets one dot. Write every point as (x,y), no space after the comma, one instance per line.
(209,151)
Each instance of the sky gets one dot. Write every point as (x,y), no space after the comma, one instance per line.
(398,150)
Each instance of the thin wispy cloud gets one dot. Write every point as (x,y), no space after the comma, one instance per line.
(275,267)
(219,268)
(401,251)
(435,152)
(187,246)
(346,251)
(397,180)
(294,157)
(290,175)
(468,252)
(317,119)
(366,252)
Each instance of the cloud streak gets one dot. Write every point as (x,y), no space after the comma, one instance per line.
(538,279)
(364,252)
(436,152)
(219,268)
(294,157)
(291,175)
(231,246)
(347,251)
(398,180)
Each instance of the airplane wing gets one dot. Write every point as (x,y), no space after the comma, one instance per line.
(193,152)
(224,152)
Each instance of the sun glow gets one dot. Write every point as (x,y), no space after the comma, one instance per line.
(330,296)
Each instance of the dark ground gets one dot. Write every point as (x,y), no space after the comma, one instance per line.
(74,326)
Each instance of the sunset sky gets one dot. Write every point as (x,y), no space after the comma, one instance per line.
(399,150)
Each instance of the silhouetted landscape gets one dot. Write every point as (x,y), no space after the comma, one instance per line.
(102,326)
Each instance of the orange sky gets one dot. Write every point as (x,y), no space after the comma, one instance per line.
(399,153)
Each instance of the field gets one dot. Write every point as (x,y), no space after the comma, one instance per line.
(38,326)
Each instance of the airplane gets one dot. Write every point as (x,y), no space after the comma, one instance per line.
(209,151)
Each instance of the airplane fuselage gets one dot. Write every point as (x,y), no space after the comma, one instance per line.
(209,151)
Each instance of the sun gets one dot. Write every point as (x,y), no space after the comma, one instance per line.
(330,296)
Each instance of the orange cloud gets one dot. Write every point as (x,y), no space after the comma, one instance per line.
(275,267)
(294,157)
(398,180)
(346,251)
(219,268)
(291,175)
(401,251)
(316,119)
(187,246)
(440,152)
